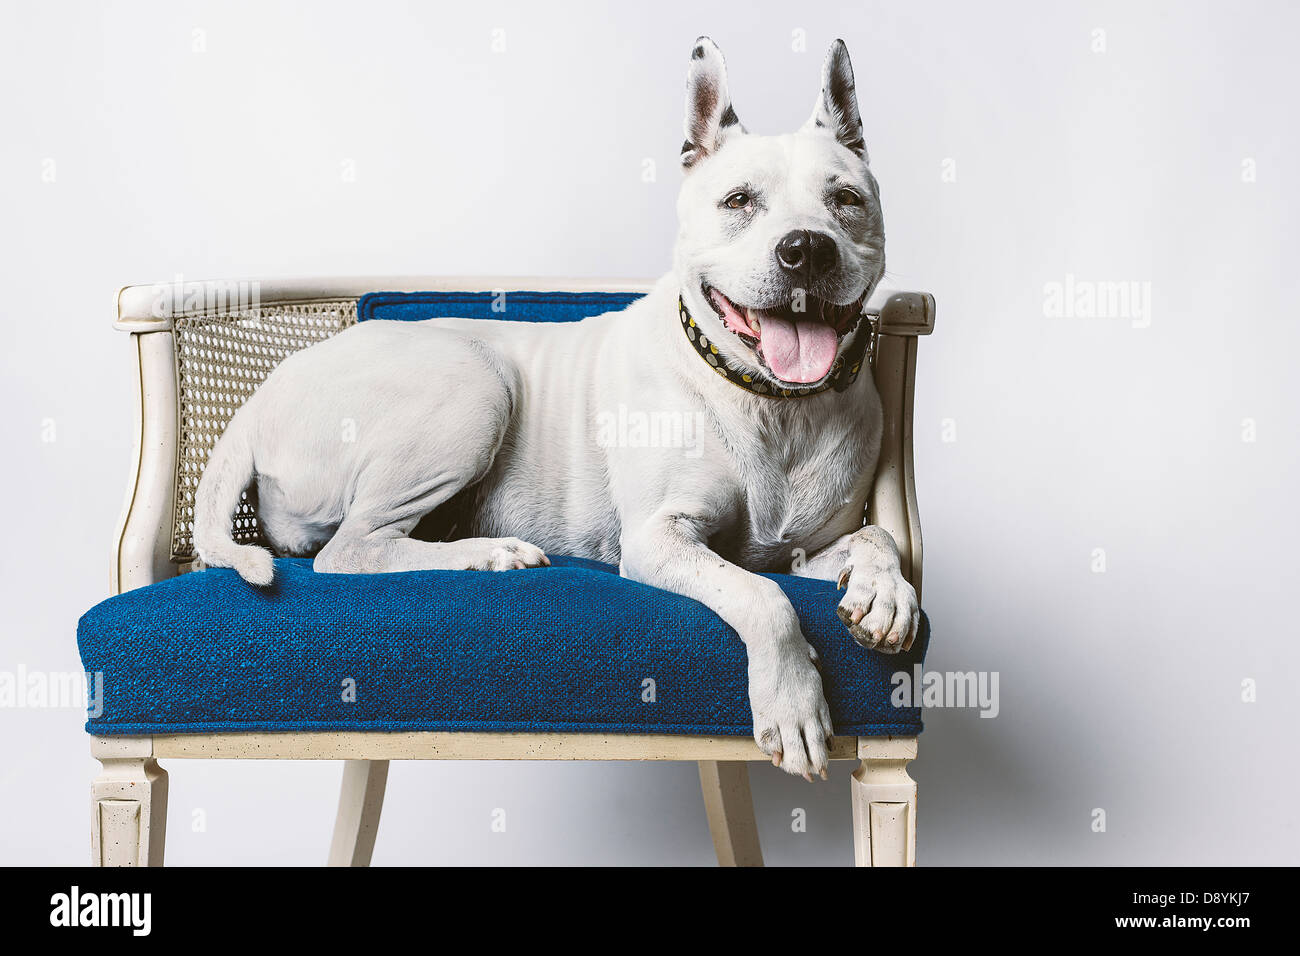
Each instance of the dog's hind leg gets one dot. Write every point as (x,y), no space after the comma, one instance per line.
(443,448)
(375,540)
(388,549)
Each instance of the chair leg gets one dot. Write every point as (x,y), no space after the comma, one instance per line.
(128,804)
(884,803)
(361,798)
(731,812)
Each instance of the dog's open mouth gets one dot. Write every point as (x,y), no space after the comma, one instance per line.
(797,345)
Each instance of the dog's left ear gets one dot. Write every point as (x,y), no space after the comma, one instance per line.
(837,106)
(709,116)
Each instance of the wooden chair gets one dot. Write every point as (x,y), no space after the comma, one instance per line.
(170,328)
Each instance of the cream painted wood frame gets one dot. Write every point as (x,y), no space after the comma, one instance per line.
(129,797)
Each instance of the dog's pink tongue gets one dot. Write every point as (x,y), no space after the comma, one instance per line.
(798,351)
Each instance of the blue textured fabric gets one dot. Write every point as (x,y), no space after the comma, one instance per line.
(563,649)
(518,306)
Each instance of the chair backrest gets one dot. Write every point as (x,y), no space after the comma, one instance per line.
(204,347)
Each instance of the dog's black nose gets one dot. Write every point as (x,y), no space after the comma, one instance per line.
(807,255)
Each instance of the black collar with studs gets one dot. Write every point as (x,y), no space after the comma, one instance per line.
(842,374)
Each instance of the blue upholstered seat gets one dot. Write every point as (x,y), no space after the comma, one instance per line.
(572,647)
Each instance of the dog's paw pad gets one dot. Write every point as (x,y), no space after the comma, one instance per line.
(880,610)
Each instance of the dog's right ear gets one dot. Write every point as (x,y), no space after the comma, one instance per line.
(837,105)
(709,116)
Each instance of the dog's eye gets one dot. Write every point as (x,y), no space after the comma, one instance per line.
(737,200)
(848,197)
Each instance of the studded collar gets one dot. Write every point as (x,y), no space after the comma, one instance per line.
(841,376)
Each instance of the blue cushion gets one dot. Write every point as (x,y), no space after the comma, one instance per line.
(566,649)
(514,306)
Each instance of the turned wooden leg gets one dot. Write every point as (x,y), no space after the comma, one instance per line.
(731,812)
(361,798)
(884,803)
(128,804)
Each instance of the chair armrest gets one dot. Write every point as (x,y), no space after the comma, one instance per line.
(200,349)
(906,313)
(142,544)
(892,504)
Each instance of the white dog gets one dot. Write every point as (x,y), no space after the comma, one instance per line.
(489,426)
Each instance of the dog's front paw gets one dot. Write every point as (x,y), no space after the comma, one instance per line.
(792,723)
(879,608)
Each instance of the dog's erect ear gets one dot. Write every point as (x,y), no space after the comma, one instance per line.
(837,106)
(709,116)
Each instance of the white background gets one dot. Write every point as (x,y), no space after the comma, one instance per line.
(1119,690)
